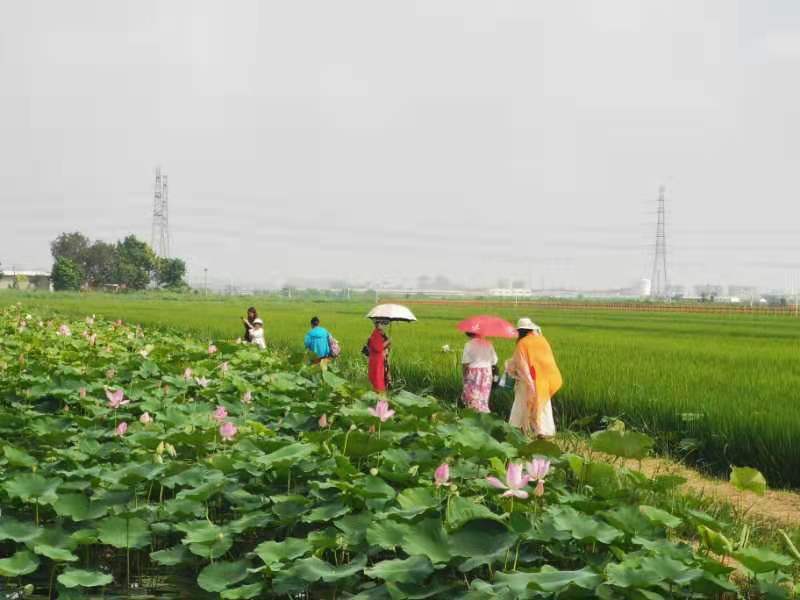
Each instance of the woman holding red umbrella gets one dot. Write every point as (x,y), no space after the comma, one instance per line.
(479,359)
(478,363)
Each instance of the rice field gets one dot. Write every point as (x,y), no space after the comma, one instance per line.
(720,389)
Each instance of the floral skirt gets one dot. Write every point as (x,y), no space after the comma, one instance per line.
(477,388)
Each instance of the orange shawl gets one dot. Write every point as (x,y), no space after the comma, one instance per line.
(533,363)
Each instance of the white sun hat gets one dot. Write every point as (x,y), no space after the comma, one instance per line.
(258,322)
(527,325)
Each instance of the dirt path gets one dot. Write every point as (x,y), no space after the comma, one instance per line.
(777,506)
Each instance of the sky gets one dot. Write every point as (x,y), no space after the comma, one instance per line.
(379,141)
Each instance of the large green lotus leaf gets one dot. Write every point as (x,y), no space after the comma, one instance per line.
(540,448)
(21,563)
(548,580)
(78,507)
(199,532)
(625,444)
(171,556)
(361,444)
(715,541)
(84,537)
(584,527)
(760,560)
(18,458)
(480,590)
(354,527)
(57,554)
(244,592)
(11,529)
(660,517)
(323,540)
(672,570)
(601,476)
(476,442)
(313,569)
(632,575)
(184,507)
(32,487)
(462,510)
(274,554)
(416,591)
(326,512)
(630,520)
(481,538)
(386,534)
(415,501)
(79,578)
(192,477)
(136,473)
(410,570)
(290,454)
(289,508)
(56,537)
(123,533)
(253,520)
(427,538)
(203,492)
(748,479)
(213,550)
(222,575)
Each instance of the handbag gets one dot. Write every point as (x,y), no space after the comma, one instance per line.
(334,345)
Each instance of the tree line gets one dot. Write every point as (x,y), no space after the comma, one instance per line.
(128,263)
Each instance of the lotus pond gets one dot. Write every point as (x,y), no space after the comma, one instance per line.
(140,463)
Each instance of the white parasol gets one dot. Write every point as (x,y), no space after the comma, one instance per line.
(391,312)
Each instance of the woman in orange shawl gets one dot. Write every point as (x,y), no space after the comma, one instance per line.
(538,379)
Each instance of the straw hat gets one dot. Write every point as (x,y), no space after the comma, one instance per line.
(526,324)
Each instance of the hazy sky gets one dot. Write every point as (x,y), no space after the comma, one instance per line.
(378,139)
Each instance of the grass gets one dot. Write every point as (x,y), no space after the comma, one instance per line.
(720,388)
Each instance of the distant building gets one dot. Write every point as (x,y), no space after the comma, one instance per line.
(25,280)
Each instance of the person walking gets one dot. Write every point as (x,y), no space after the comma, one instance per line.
(377,348)
(478,363)
(248,323)
(538,379)
(317,342)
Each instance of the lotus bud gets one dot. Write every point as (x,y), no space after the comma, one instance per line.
(373,471)
(160,449)
(353,427)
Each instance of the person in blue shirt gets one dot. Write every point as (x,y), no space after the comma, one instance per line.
(317,342)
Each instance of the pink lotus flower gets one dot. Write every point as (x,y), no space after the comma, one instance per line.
(202,381)
(442,475)
(212,349)
(187,374)
(515,481)
(538,469)
(247,397)
(64,331)
(224,367)
(382,411)
(82,393)
(323,421)
(227,431)
(220,414)
(92,339)
(121,429)
(116,398)
(145,419)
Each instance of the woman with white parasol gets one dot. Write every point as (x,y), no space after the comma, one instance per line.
(379,345)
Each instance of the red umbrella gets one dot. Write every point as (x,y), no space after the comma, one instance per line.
(488,326)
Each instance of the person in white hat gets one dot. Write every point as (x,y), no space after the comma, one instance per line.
(257,334)
(538,379)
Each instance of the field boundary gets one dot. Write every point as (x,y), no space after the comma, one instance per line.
(783,311)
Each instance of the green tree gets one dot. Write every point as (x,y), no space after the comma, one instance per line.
(135,263)
(70,245)
(170,272)
(66,274)
(101,263)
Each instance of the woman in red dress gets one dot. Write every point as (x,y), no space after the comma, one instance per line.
(379,345)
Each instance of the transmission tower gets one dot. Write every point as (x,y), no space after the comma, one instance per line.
(159,239)
(659,281)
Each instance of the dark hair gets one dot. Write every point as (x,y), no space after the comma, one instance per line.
(252,309)
(523,332)
(470,334)
(314,321)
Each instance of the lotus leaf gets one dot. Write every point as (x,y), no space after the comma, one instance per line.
(313,569)
(660,517)
(274,554)
(79,578)
(760,560)
(427,538)
(21,563)
(222,575)
(171,556)
(123,533)
(11,529)
(410,570)
(748,479)
(31,487)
